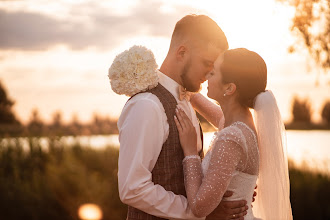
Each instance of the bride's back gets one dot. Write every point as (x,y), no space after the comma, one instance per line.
(244,179)
(250,163)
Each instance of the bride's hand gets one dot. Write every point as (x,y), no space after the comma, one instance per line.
(187,133)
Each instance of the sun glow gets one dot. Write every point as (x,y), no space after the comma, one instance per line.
(90,212)
(70,74)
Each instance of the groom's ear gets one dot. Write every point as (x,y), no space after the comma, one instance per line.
(181,53)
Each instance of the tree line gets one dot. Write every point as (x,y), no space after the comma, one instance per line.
(104,125)
(302,115)
(11,126)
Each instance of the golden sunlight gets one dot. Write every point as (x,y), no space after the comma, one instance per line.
(247,23)
(90,211)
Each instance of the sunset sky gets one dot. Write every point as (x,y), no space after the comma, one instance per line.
(54,55)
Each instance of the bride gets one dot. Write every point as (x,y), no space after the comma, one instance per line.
(245,151)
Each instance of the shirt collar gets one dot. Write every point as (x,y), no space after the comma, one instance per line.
(169,84)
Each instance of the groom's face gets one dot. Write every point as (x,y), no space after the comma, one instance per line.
(198,64)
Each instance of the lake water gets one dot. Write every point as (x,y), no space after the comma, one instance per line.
(305,148)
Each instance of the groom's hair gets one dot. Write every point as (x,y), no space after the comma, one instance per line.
(200,29)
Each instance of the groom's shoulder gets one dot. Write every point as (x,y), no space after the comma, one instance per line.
(144,97)
(144,100)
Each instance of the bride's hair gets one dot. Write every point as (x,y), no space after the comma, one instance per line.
(247,70)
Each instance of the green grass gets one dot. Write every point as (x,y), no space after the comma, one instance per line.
(52,184)
(310,193)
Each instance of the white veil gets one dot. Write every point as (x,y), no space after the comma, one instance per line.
(273,192)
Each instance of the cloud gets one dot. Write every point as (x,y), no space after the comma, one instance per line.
(89,25)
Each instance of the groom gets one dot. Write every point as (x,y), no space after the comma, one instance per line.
(150,173)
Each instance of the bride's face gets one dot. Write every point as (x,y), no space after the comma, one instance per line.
(215,83)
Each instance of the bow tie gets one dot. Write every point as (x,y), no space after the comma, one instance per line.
(184,94)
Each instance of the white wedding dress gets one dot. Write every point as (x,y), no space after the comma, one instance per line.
(231,163)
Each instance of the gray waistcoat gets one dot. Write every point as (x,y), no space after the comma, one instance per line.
(168,170)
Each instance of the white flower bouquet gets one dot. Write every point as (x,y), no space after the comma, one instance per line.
(133,71)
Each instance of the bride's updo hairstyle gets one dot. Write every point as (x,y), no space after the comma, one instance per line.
(247,70)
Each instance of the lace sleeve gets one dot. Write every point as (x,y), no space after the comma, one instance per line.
(205,193)
(209,110)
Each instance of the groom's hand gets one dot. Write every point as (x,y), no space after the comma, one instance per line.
(229,209)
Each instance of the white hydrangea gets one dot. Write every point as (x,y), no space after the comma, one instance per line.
(133,71)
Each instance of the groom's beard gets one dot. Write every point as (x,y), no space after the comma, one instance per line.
(188,84)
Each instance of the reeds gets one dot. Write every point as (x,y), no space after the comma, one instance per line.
(38,182)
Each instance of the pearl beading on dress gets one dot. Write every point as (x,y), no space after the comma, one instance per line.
(232,162)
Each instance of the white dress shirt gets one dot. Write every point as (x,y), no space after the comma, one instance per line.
(143,128)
